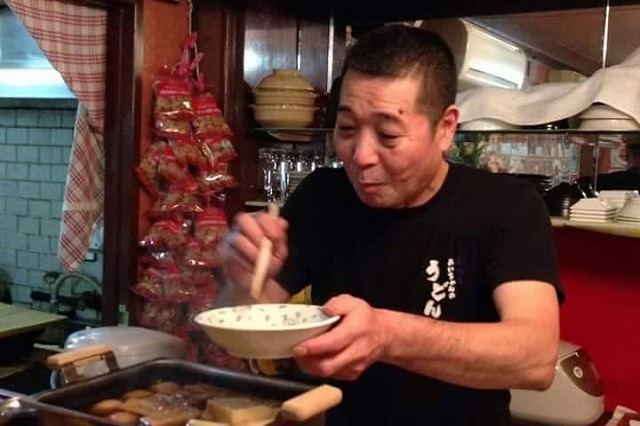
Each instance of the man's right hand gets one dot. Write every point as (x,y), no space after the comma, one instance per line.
(238,250)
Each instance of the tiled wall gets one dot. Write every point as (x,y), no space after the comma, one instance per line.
(35,145)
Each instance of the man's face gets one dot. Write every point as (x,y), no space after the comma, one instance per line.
(391,154)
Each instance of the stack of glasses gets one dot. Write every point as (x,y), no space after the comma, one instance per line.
(280,171)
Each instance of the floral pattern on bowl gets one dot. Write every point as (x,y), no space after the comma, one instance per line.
(264,331)
(266,316)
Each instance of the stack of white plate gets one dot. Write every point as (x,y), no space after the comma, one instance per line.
(617,198)
(592,210)
(630,212)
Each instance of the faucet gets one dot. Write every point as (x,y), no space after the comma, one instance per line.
(55,287)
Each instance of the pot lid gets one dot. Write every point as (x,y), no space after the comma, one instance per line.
(129,341)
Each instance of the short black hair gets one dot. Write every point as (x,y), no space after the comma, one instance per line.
(398,50)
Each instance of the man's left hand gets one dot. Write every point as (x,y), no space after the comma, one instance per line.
(348,349)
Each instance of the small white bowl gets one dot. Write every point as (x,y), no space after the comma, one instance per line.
(603,112)
(487,124)
(609,124)
(264,331)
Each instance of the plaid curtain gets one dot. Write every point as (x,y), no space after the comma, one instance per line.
(73,37)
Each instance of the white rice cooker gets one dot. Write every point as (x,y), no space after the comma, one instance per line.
(576,396)
(130,345)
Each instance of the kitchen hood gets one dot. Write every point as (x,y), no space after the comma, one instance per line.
(25,72)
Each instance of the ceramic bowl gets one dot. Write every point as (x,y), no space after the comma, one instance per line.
(285,79)
(263,331)
(605,117)
(487,124)
(603,111)
(285,97)
(283,115)
(608,124)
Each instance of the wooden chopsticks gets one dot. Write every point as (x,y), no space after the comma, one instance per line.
(262,262)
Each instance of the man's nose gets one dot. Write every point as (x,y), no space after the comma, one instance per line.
(365,150)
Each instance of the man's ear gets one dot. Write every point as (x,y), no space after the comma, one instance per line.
(447,127)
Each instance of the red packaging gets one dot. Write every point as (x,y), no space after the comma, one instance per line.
(172,96)
(175,289)
(150,284)
(208,120)
(147,170)
(161,316)
(180,198)
(170,168)
(164,235)
(188,151)
(211,226)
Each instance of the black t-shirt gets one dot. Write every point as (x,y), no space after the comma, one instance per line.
(442,259)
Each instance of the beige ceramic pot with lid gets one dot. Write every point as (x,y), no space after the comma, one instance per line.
(285,79)
(284,99)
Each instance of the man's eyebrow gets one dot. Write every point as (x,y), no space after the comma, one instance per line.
(388,117)
(382,115)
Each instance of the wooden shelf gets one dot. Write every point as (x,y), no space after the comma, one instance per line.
(613,228)
(307,135)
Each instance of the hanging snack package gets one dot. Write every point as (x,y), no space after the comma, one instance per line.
(164,235)
(199,276)
(220,149)
(147,170)
(172,96)
(206,300)
(197,255)
(150,285)
(215,179)
(187,151)
(173,109)
(208,120)
(175,289)
(180,198)
(210,226)
(171,128)
(169,167)
(160,316)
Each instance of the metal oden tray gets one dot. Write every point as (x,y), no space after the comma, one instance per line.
(80,395)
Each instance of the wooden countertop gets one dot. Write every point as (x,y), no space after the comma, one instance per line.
(16,320)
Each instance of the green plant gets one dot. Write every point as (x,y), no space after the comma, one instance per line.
(468,150)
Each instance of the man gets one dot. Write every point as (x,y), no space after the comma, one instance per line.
(632,154)
(628,179)
(444,275)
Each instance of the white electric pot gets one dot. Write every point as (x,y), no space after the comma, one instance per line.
(130,345)
(576,396)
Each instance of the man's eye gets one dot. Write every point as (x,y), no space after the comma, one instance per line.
(345,128)
(388,136)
